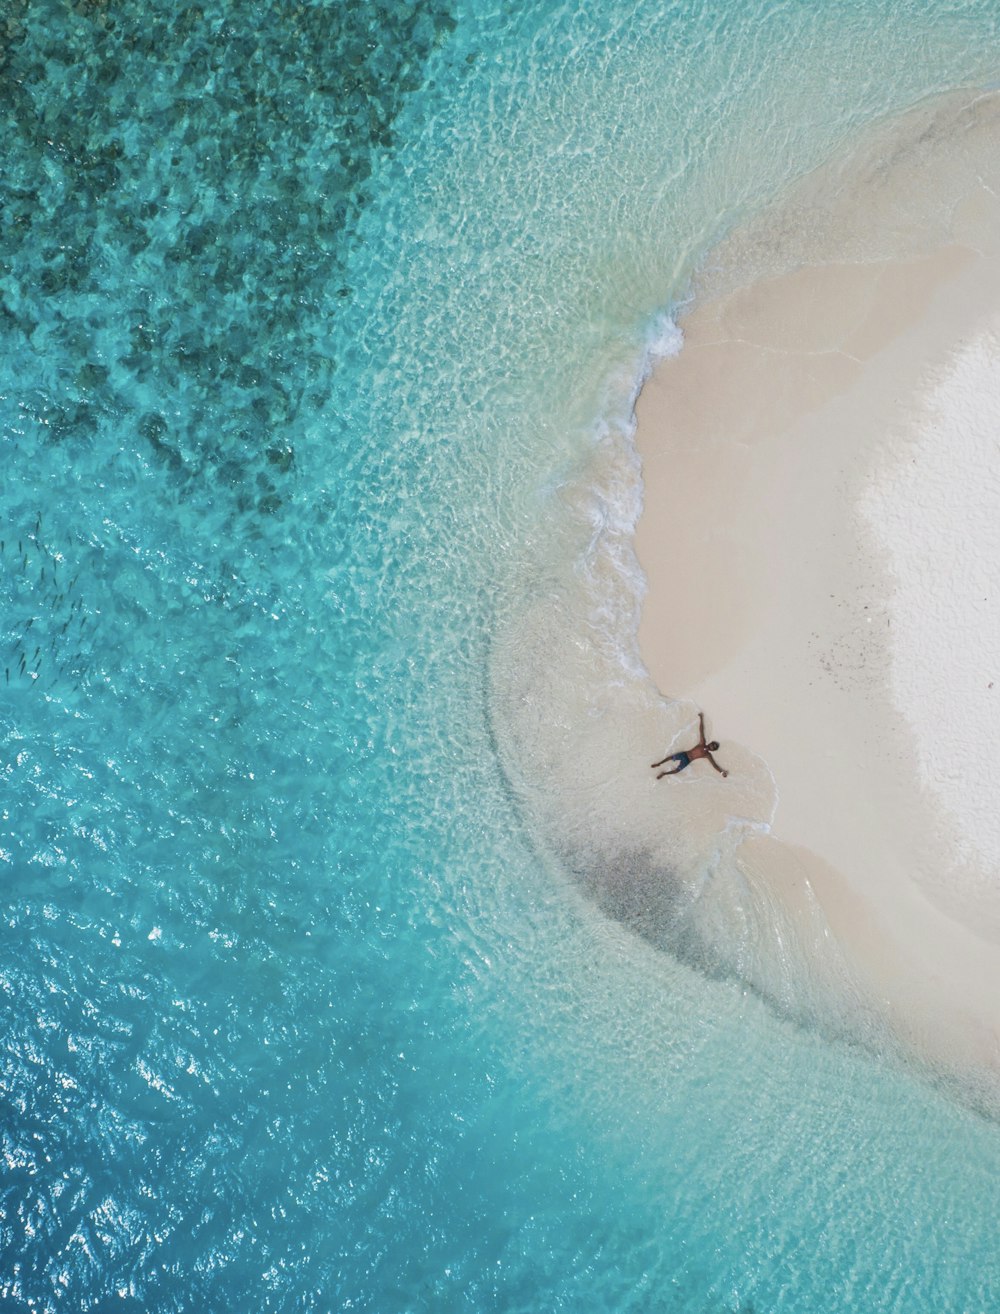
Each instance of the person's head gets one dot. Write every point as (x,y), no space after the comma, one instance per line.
(713,747)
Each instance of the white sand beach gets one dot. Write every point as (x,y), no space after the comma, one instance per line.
(821,541)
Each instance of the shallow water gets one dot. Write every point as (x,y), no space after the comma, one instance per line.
(319,331)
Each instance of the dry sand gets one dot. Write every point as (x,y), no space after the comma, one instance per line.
(799,540)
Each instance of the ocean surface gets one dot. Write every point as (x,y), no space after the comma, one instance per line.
(320,326)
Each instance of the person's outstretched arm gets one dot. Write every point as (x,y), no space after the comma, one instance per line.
(715,764)
(701,725)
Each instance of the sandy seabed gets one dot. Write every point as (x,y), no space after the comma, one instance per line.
(821,541)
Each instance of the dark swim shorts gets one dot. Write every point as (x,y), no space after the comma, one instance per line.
(682,759)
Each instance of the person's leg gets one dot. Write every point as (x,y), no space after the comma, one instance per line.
(682,761)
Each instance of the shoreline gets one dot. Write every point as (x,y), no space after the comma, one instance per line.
(772,597)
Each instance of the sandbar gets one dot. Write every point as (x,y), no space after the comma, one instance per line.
(816,580)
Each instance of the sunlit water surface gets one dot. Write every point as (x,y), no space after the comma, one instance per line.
(315,320)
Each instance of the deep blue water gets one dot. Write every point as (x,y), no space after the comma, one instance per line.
(306,313)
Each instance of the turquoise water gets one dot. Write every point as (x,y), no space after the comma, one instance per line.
(315,320)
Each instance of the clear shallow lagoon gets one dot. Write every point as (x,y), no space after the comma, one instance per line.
(309,318)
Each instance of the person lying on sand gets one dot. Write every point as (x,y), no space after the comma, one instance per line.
(685,759)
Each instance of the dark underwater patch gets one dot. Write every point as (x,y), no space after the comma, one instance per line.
(180,188)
